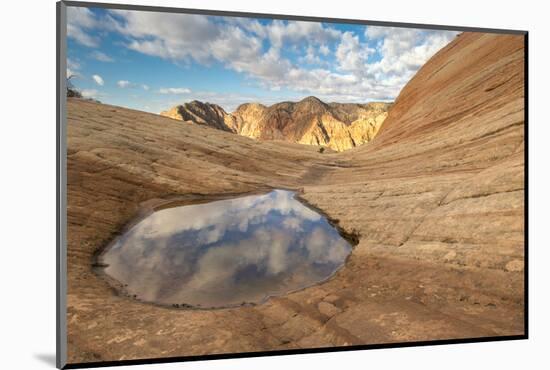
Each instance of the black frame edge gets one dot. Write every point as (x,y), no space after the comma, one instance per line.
(229,13)
(526,186)
(301,351)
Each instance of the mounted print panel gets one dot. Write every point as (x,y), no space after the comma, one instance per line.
(235,184)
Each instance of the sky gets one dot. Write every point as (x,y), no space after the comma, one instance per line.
(152,61)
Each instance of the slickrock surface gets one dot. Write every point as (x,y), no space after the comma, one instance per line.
(309,121)
(437,196)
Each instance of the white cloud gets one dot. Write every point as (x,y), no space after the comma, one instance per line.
(329,63)
(280,32)
(98,80)
(169,36)
(403,52)
(236,44)
(174,90)
(123,84)
(235,48)
(293,223)
(72,68)
(71,63)
(90,93)
(100,56)
(310,56)
(351,54)
(79,21)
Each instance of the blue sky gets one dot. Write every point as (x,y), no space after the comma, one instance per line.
(152,61)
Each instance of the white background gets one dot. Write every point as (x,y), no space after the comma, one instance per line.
(27,180)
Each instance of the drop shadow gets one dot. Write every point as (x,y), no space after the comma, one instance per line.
(46,358)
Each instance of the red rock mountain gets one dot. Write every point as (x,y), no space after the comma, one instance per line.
(309,121)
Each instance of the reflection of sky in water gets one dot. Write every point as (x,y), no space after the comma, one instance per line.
(226,252)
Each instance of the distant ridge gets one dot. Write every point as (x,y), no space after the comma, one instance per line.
(338,126)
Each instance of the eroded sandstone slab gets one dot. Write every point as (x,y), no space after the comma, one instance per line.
(437,197)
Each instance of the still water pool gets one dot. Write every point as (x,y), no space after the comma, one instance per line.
(225,253)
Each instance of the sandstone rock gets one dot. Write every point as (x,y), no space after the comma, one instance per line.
(451,255)
(514,266)
(203,114)
(444,173)
(310,121)
(331,298)
(328,309)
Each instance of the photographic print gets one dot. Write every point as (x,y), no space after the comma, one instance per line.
(240,184)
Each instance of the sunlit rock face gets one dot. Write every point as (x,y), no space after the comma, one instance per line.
(226,253)
(203,114)
(310,121)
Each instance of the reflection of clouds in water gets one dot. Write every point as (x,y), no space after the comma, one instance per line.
(226,252)
(145,264)
(293,223)
(216,217)
(320,251)
(265,249)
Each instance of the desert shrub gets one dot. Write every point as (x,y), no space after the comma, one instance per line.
(72,91)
